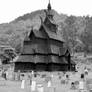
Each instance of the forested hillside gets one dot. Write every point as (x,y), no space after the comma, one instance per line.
(77,31)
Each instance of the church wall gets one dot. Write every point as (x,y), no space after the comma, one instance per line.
(55,46)
(24,66)
(57,67)
(35,46)
(29,49)
(43,46)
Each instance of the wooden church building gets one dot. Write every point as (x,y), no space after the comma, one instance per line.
(43,48)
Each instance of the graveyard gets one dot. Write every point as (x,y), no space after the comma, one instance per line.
(58,81)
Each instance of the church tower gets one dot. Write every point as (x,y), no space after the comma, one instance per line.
(49,11)
(49,6)
(49,20)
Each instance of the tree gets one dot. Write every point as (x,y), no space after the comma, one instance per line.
(69,32)
(86,37)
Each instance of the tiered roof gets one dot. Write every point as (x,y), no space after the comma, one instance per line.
(44,45)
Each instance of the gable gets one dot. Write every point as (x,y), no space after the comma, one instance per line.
(31,35)
(49,23)
(43,31)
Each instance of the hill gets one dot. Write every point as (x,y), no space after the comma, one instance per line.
(14,32)
(71,27)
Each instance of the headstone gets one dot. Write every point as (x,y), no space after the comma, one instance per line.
(89,84)
(67,79)
(7,74)
(49,84)
(30,81)
(40,88)
(52,76)
(73,86)
(82,77)
(81,85)
(4,75)
(23,84)
(86,71)
(32,72)
(18,74)
(33,86)
(63,80)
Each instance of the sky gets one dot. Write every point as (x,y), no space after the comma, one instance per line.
(11,9)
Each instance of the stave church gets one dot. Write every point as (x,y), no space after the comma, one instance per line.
(43,49)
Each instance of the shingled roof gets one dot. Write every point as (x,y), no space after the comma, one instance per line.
(42,59)
(45,32)
(33,58)
(51,34)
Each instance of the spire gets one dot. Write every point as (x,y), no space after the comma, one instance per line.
(49,11)
(49,6)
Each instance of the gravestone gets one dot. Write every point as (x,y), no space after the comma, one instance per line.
(23,84)
(89,84)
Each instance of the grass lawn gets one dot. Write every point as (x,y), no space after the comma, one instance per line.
(11,86)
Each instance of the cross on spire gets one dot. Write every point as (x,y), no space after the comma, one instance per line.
(49,1)
(49,6)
